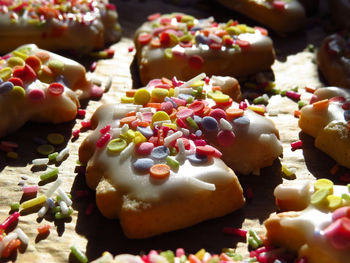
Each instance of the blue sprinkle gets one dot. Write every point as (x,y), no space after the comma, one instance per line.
(198,133)
(209,124)
(200,39)
(185,96)
(347,115)
(197,119)
(50,202)
(197,159)
(146,131)
(143,164)
(6,87)
(241,121)
(172,102)
(196,28)
(61,79)
(160,152)
(1,81)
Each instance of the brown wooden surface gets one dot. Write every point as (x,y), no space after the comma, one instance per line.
(95,234)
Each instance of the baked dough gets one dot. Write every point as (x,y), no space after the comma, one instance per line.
(329,125)
(282,16)
(183,46)
(37,85)
(333,59)
(319,229)
(67,25)
(147,206)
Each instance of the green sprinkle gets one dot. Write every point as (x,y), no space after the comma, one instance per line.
(49,175)
(192,123)
(186,38)
(183,259)
(287,173)
(45,149)
(21,53)
(168,53)
(295,89)
(348,188)
(117,145)
(169,255)
(252,242)
(319,197)
(275,91)
(174,164)
(56,209)
(52,156)
(253,259)
(256,237)
(259,100)
(55,138)
(346,197)
(78,254)
(56,66)
(5,73)
(173,151)
(283,93)
(301,104)
(59,215)
(15,206)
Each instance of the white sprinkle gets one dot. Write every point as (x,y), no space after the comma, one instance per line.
(185,131)
(127,151)
(40,161)
(182,151)
(273,112)
(170,132)
(21,183)
(193,80)
(139,116)
(146,109)
(225,125)
(24,177)
(64,197)
(108,84)
(176,92)
(62,154)
(22,236)
(64,207)
(201,184)
(125,128)
(159,123)
(215,38)
(43,210)
(115,132)
(170,138)
(9,237)
(53,187)
(185,90)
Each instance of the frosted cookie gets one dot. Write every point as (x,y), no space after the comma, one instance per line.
(333,59)
(185,46)
(65,25)
(327,120)
(37,85)
(316,223)
(281,15)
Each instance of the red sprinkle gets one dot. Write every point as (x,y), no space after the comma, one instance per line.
(153,16)
(131,49)
(81,113)
(105,129)
(36,95)
(296,145)
(8,221)
(243,105)
(56,89)
(86,124)
(93,66)
(293,95)
(235,231)
(76,133)
(103,140)
(90,209)
(144,39)
(280,5)
(16,81)
(196,62)
(44,229)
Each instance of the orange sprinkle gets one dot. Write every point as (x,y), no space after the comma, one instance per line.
(143,123)
(173,114)
(154,105)
(155,43)
(233,113)
(205,32)
(310,90)
(221,33)
(167,81)
(43,56)
(297,113)
(127,120)
(160,137)
(334,169)
(130,93)
(11,246)
(160,171)
(322,104)
(206,111)
(44,229)
(131,113)
(216,88)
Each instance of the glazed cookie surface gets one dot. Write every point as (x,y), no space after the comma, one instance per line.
(67,25)
(186,46)
(333,59)
(327,120)
(316,222)
(280,15)
(37,85)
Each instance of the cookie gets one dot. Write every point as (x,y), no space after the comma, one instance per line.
(79,25)
(185,47)
(315,223)
(333,59)
(283,16)
(40,86)
(327,120)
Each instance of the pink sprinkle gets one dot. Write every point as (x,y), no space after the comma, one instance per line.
(103,140)
(36,95)
(82,193)
(296,145)
(90,209)
(262,258)
(313,99)
(178,101)
(76,133)
(346,106)
(93,66)
(337,99)
(206,80)
(96,92)
(235,231)
(243,105)
(175,82)
(200,142)
(184,114)
(153,252)
(85,124)
(277,4)
(131,49)
(345,178)
(181,123)
(9,144)
(293,95)
(8,221)
(105,129)
(81,113)
(301,260)
(179,252)
(249,193)
(261,250)
(217,114)
(226,138)
(144,148)
(30,189)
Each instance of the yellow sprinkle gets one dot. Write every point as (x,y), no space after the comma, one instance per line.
(18,92)
(33,202)
(55,138)
(20,53)
(159,94)
(257,109)
(12,155)
(334,202)
(200,254)
(170,125)
(199,83)
(287,172)
(45,149)
(319,198)
(15,61)
(221,98)
(5,73)
(324,184)
(139,138)
(171,92)
(160,116)
(142,97)
(130,134)
(126,99)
